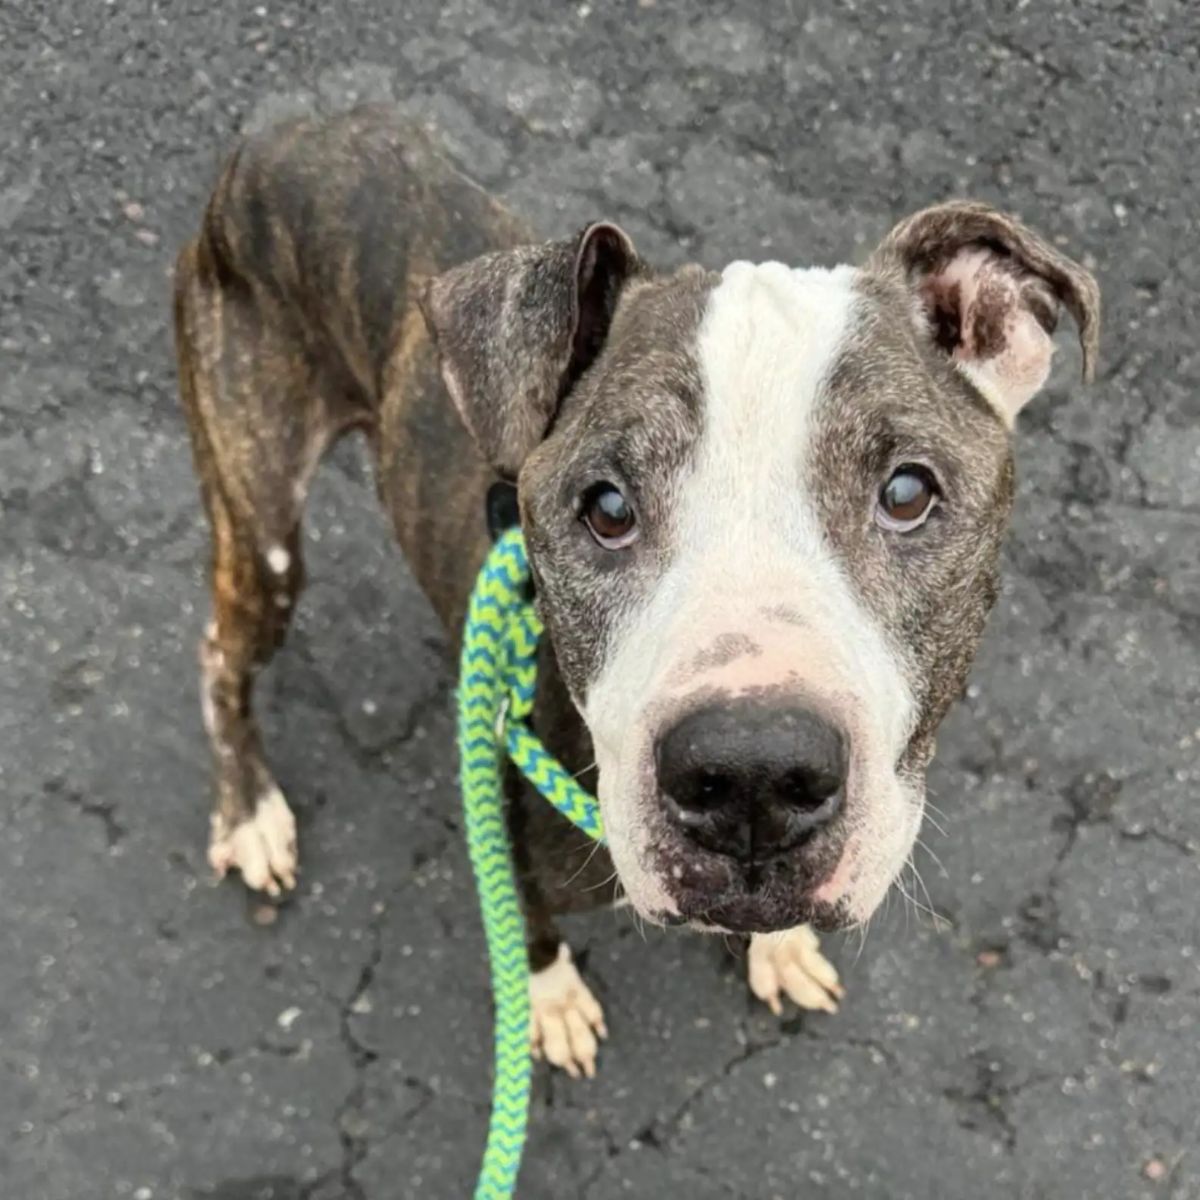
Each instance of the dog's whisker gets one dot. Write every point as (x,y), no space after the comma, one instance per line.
(935,916)
(595,887)
(909,903)
(931,807)
(937,861)
(584,770)
(919,881)
(584,866)
(634,918)
(862,928)
(629,913)
(616,908)
(936,824)
(924,890)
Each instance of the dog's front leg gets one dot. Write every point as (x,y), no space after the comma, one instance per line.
(790,963)
(566,1020)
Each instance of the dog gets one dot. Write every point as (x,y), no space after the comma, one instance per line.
(763,509)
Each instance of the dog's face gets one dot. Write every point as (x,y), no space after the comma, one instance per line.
(764,510)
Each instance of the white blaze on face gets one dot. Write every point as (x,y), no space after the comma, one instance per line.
(749,558)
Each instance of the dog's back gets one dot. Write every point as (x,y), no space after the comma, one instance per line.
(339,221)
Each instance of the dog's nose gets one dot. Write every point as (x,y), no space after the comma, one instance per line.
(751,780)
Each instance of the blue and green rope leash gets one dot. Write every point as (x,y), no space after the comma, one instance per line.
(497,679)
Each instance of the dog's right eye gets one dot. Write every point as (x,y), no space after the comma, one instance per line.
(608,516)
(907,499)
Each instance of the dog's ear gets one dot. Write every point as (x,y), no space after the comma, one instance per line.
(988,292)
(516,328)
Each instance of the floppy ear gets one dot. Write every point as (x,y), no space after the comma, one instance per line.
(516,328)
(989,292)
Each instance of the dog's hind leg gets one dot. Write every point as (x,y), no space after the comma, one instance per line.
(259,425)
(256,580)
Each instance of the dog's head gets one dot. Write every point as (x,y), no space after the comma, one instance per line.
(764,510)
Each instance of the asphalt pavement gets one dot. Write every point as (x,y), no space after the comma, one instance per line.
(1039,1040)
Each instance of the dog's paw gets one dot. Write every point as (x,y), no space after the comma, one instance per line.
(262,848)
(566,1020)
(791,964)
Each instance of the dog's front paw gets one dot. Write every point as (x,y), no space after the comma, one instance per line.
(566,1020)
(791,964)
(262,848)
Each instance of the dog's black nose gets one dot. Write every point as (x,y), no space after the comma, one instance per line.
(751,780)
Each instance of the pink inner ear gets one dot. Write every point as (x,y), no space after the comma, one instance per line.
(981,309)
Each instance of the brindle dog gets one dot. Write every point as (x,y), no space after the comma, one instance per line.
(763,508)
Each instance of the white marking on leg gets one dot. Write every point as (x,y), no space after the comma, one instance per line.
(791,964)
(278,559)
(208,707)
(212,663)
(566,1019)
(262,848)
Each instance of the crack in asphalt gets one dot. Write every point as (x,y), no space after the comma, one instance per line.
(349,1120)
(104,811)
(371,757)
(660,1132)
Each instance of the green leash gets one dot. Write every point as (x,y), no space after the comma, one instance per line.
(497,678)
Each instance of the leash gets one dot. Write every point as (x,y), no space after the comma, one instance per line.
(497,680)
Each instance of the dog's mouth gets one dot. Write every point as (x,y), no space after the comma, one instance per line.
(746,915)
(717,893)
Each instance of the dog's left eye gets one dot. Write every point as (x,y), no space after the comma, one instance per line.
(608,516)
(907,499)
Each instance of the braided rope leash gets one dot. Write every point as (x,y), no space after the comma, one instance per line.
(497,680)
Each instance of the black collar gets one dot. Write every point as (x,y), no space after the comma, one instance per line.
(502,510)
(502,514)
